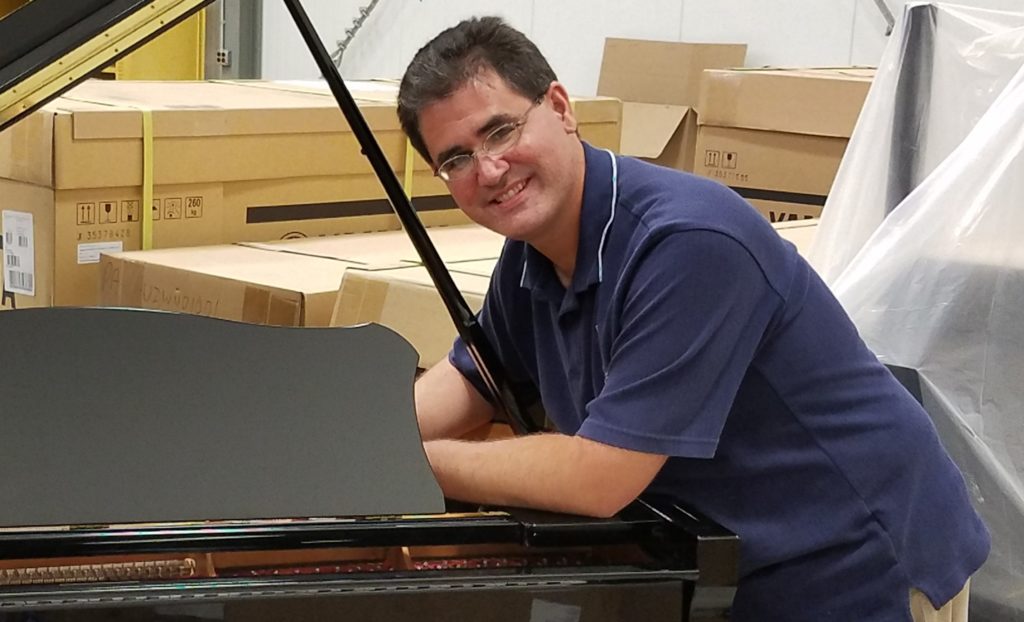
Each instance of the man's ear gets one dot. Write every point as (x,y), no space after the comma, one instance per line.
(562,106)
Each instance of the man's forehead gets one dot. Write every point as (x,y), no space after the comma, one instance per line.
(487,79)
(468,112)
(484,86)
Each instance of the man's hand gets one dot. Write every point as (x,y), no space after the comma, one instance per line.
(551,472)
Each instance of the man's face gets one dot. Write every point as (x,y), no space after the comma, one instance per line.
(528,191)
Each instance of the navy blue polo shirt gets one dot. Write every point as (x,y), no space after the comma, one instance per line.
(691,329)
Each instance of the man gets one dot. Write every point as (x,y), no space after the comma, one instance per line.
(680,347)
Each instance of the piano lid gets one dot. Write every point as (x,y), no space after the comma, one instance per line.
(50,46)
(127,416)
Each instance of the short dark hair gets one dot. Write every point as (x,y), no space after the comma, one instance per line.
(458,54)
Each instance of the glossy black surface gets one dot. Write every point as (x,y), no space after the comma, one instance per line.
(530,528)
(667,568)
(610,595)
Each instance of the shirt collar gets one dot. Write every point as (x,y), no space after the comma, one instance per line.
(596,215)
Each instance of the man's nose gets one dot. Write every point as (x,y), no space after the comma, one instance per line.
(490,169)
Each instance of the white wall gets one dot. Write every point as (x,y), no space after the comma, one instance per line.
(571,32)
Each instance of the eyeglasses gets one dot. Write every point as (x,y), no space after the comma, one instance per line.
(497,142)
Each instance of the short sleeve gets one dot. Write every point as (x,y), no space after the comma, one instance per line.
(690,317)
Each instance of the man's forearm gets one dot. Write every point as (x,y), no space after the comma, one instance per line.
(545,471)
(447,405)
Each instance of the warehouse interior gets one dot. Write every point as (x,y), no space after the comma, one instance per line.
(228,267)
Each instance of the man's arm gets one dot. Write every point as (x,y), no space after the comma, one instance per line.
(553,472)
(447,405)
(546,471)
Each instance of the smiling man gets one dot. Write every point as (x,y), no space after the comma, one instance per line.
(679,346)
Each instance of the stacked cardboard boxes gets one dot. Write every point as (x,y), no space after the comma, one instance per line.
(659,84)
(285,283)
(776,136)
(225,163)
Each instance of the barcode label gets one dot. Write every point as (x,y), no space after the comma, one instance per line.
(19,268)
(20,280)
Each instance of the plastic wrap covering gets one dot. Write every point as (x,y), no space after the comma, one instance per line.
(944,66)
(938,284)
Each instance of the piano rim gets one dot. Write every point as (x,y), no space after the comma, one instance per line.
(483,528)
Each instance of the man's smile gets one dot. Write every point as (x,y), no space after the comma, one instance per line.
(511,192)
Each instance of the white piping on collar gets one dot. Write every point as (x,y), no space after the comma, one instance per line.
(607,226)
(611,217)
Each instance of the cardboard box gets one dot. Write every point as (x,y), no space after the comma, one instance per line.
(659,85)
(776,136)
(231,162)
(393,249)
(287,283)
(406,301)
(227,282)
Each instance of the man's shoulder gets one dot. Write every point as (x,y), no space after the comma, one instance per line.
(661,197)
(660,201)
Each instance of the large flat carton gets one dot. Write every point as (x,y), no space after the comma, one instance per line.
(659,85)
(393,249)
(227,282)
(227,163)
(776,136)
(284,283)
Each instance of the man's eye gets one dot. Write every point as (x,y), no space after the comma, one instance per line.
(458,163)
(502,133)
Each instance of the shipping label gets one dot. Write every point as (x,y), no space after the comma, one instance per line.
(19,268)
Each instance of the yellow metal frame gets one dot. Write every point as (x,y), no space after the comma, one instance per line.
(93,55)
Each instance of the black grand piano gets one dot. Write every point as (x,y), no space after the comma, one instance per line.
(159,466)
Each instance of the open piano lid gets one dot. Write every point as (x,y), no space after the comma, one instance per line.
(50,46)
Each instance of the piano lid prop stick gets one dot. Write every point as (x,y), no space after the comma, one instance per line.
(484,356)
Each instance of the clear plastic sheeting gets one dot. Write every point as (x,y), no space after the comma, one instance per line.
(935,282)
(943,68)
